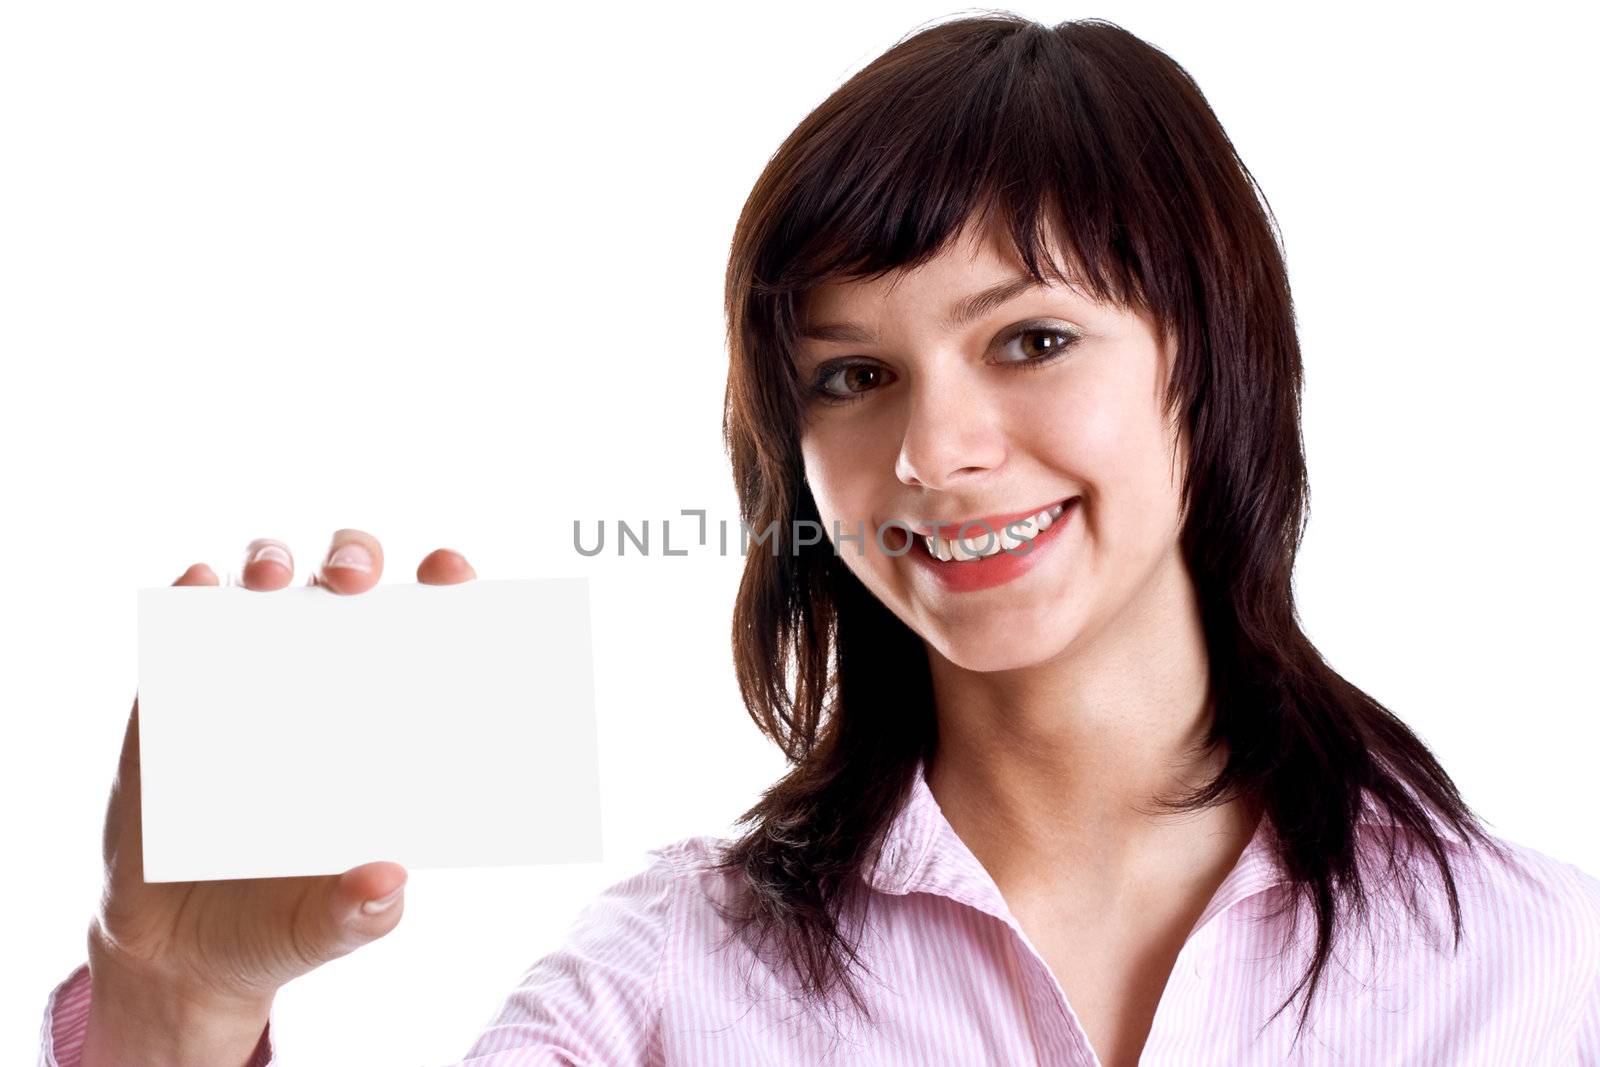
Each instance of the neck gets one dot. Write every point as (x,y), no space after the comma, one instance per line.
(1052,771)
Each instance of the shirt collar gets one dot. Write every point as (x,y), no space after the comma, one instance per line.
(921,853)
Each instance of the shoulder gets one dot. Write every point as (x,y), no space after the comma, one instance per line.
(1549,913)
(1508,886)
(644,909)
(691,857)
(598,996)
(1529,935)
(1535,917)
(1534,892)
(666,877)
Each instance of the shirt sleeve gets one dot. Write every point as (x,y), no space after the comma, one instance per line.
(1588,1031)
(1589,1028)
(596,1001)
(66,1021)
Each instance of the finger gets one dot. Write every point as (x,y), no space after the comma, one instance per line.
(197,574)
(268,564)
(122,840)
(353,564)
(444,566)
(358,906)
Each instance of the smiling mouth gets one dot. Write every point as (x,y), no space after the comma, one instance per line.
(986,538)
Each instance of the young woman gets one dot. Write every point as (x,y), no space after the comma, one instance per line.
(1069,784)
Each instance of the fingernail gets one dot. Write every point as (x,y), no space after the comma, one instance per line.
(352,555)
(264,548)
(383,903)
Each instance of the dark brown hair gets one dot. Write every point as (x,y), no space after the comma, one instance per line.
(1087,133)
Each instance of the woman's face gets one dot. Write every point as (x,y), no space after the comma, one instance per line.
(1035,400)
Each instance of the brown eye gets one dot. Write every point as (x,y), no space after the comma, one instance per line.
(1040,344)
(850,381)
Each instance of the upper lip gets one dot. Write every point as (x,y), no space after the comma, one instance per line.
(980,526)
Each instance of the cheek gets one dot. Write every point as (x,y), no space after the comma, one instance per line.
(1106,435)
(1086,428)
(841,482)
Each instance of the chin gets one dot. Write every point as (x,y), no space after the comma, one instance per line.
(1000,649)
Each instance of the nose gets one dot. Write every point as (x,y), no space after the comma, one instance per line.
(952,434)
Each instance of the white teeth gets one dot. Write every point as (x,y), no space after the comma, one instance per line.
(986,544)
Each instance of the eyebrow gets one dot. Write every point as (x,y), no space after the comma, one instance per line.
(963,312)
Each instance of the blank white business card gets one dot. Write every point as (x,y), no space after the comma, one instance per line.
(301,731)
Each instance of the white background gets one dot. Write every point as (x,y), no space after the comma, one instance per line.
(452,274)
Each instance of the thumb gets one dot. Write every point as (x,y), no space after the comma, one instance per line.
(355,908)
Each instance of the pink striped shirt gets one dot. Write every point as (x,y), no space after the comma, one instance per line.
(641,978)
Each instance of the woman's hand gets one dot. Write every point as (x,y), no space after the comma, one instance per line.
(186,971)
